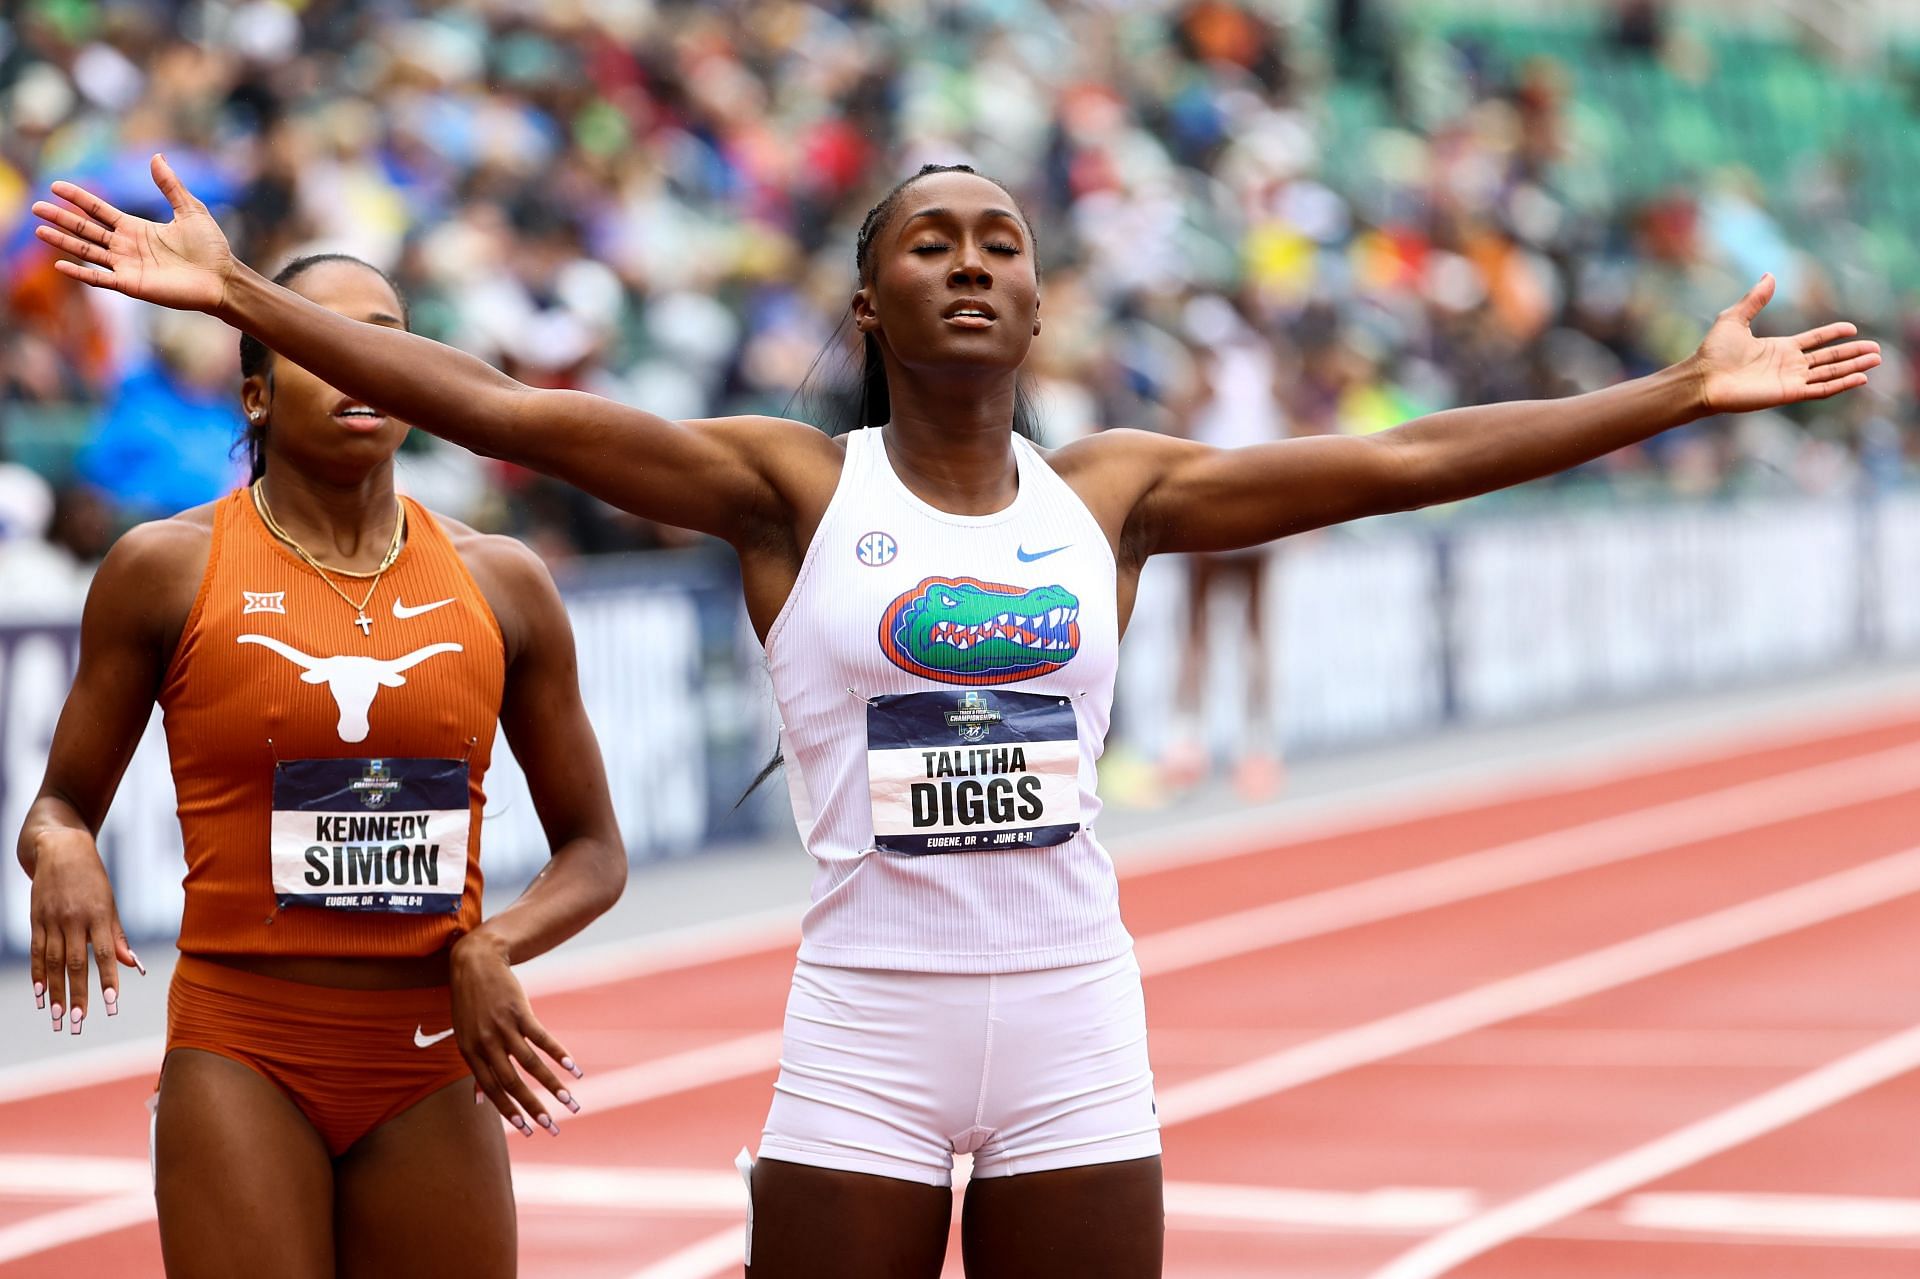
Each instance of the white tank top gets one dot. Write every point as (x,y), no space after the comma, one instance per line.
(944,684)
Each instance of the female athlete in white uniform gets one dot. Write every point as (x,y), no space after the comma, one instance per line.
(941,603)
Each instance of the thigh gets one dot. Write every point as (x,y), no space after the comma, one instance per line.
(820,1223)
(242,1181)
(1100,1221)
(428,1194)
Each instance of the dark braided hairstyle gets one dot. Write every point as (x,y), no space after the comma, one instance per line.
(865,402)
(256,359)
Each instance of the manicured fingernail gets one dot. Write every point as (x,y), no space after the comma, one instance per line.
(546,1121)
(58,1013)
(73,1022)
(478,1096)
(39,989)
(138,965)
(566,1099)
(112,997)
(573,1069)
(526,1129)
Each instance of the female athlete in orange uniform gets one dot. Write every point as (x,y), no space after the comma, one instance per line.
(331,662)
(874,1095)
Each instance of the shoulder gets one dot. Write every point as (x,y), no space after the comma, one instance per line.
(150,576)
(495,558)
(779,446)
(1122,461)
(513,579)
(161,550)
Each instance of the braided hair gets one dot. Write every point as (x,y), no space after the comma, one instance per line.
(256,359)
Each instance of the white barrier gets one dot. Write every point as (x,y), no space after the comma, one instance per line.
(1377,631)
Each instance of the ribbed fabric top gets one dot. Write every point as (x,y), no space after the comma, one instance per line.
(300,686)
(897,597)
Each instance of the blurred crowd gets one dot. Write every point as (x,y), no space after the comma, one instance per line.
(656,200)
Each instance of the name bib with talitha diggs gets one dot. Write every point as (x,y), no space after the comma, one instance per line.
(371,834)
(972,771)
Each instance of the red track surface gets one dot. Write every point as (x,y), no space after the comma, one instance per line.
(1484,1109)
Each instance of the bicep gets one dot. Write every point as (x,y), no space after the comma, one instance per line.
(1200,498)
(712,476)
(546,721)
(112,696)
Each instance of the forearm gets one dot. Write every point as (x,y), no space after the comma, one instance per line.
(583,878)
(427,383)
(1464,452)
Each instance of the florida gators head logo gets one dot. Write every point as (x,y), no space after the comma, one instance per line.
(959,630)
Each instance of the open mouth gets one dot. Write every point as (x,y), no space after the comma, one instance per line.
(358,417)
(969,313)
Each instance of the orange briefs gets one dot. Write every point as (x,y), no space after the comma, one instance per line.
(349,1059)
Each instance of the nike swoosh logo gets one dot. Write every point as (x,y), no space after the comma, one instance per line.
(1028,557)
(402,612)
(420,1038)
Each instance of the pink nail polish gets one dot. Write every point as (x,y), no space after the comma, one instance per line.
(112,997)
(58,1013)
(39,989)
(478,1096)
(546,1121)
(138,965)
(566,1099)
(567,1062)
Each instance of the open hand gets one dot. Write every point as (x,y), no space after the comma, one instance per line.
(184,264)
(1740,372)
(73,915)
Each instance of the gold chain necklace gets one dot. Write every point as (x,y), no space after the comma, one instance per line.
(360,619)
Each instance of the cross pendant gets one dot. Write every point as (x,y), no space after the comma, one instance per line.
(364,622)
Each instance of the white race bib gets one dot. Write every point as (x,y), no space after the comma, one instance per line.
(972,771)
(371,834)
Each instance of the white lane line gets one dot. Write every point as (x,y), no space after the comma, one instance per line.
(1743,807)
(1794,1216)
(720,1253)
(1389,1210)
(1647,955)
(70,1225)
(1772,1110)
(703,1191)
(682,1072)
(1746,806)
(1454,790)
(86,1068)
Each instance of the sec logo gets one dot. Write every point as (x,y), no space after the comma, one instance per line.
(876,549)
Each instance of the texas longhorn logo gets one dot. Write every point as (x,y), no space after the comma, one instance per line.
(353,681)
(959,630)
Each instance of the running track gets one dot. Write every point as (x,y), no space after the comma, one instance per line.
(1652,1020)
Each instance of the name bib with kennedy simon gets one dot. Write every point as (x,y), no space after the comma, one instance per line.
(971,772)
(371,834)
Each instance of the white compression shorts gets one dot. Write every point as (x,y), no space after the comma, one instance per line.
(895,1073)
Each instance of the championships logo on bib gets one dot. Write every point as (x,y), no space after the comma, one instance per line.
(959,630)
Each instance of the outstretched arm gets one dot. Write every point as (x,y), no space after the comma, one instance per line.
(714,477)
(1195,498)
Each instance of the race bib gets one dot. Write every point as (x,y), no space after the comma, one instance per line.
(973,771)
(371,834)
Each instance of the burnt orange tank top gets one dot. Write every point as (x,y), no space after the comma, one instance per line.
(329,774)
